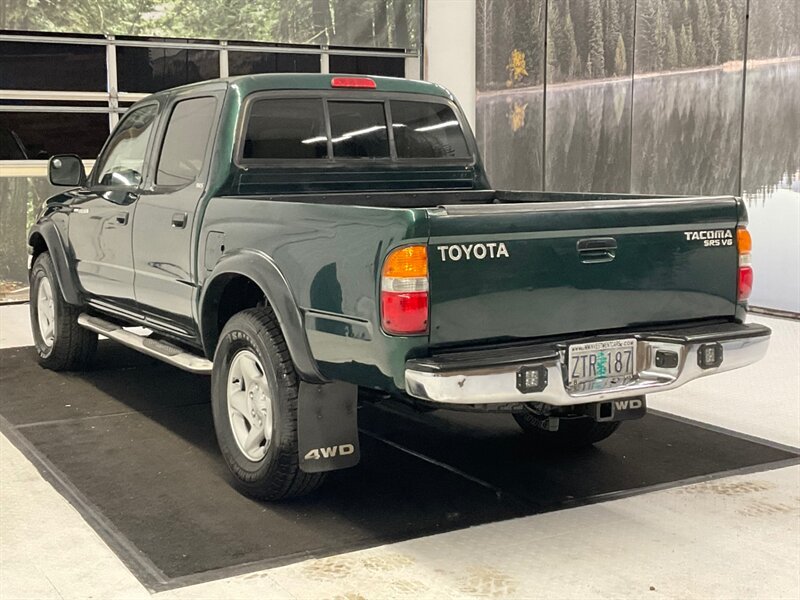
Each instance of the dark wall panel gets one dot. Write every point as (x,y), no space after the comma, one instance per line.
(245,63)
(156,69)
(64,67)
(367,65)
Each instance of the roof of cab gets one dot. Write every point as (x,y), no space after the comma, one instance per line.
(248,84)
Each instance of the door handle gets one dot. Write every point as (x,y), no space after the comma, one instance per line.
(597,250)
(122,218)
(179,220)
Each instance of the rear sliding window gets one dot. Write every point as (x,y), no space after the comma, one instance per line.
(427,130)
(295,128)
(358,130)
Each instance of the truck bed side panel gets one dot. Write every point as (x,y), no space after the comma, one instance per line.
(331,257)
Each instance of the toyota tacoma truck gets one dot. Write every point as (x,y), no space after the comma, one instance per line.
(301,238)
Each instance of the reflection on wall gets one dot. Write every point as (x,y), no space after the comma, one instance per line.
(509,131)
(661,113)
(687,96)
(686,133)
(366,23)
(588,124)
(21,198)
(771,151)
(510,72)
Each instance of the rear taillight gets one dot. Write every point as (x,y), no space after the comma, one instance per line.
(744,244)
(404,291)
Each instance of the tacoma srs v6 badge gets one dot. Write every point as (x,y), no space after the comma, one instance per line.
(711,237)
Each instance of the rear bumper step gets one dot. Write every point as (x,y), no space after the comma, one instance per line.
(665,360)
(163,351)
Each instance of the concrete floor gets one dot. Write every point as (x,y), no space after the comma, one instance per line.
(737,537)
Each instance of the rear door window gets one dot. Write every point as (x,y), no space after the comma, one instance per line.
(358,129)
(427,130)
(291,128)
(186,141)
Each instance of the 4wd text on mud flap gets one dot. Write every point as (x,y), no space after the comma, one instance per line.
(329,452)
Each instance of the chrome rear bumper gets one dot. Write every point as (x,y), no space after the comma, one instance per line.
(491,376)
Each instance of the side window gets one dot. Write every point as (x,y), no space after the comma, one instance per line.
(427,130)
(286,128)
(122,162)
(186,141)
(358,130)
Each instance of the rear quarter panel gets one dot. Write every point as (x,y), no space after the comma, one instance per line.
(331,257)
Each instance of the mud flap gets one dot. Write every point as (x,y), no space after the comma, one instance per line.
(327,426)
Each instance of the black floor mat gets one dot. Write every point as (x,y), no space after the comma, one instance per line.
(131,443)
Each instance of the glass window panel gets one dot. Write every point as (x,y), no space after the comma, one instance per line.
(156,69)
(427,130)
(367,65)
(292,128)
(245,63)
(39,135)
(122,163)
(66,67)
(358,130)
(186,141)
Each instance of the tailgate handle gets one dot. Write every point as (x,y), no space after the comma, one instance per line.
(597,250)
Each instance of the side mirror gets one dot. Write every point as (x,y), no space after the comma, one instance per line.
(66,170)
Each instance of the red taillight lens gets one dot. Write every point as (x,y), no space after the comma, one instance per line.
(744,244)
(404,314)
(404,291)
(745,282)
(353,82)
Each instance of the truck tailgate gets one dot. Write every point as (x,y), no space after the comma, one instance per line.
(525,270)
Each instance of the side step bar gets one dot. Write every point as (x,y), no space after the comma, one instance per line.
(164,351)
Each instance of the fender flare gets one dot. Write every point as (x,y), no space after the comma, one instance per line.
(58,252)
(261,269)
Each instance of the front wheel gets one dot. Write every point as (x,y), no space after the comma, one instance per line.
(61,343)
(254,390)
(572,433)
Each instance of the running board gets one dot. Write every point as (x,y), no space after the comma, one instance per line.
(164,351)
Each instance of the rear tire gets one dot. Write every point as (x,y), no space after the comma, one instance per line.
(572,433)
(254,389)
(61,343)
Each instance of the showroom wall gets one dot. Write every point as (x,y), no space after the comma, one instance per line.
(651,96)
(68,69)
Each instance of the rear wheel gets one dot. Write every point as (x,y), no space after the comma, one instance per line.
(61,343)
(254,399)
(572,433)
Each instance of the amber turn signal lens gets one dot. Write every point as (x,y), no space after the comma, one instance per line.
(743,240)
(410,261)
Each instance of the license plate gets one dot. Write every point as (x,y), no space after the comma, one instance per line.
(612,359)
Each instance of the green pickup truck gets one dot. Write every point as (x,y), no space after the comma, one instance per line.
(304,238)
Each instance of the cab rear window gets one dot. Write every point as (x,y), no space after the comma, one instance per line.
(344,129)
(286,128)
